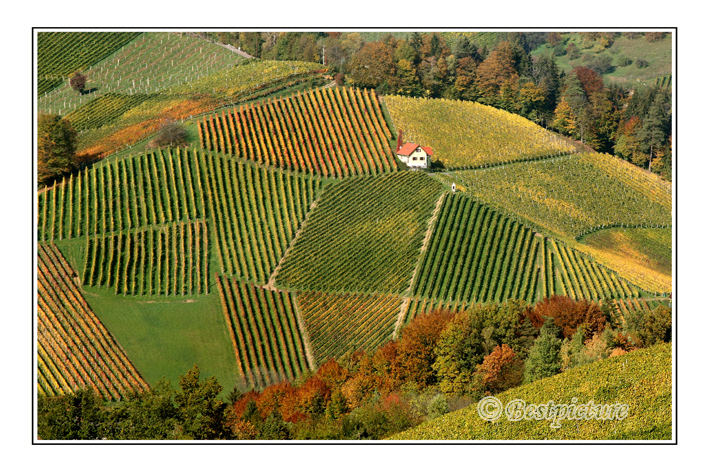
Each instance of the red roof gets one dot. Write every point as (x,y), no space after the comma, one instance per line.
(408,148)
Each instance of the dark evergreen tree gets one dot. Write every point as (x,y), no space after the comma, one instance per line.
(544,358)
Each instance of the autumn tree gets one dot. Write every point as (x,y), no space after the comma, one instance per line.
(495,71)
(56,148)
(474,334)
(568,314)
(500,370)
(373,66)
(416,350)
(628,144)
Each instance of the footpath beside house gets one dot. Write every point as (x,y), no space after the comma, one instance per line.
(413,155)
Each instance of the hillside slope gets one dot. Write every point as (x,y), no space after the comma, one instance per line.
(468,134)
(641,379)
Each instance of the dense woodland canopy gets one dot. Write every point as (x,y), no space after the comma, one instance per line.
(631,121)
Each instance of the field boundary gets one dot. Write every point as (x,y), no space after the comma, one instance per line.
(424,246)
(271,284)
(305,334)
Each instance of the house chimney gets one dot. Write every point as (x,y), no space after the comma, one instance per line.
(399,142)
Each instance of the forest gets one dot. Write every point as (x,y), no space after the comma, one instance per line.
(632,120)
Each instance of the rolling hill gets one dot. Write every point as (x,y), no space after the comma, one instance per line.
(641,379)
(288,233)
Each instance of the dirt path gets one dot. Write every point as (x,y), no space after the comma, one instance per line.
(236,50)
(424,245)
(272,279)
(306,337)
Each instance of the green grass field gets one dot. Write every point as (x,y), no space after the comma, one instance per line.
(658,54)
(165,337)
(641,379)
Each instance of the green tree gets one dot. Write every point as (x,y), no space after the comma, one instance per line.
(145,415)
(56,148)
(77,415)
(653,130)
(407,81)
(200,412)
(544,358)
(273,427)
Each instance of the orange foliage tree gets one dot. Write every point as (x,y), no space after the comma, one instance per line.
(500,370)
(568,314)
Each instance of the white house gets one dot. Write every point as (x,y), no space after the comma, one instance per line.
(414,155)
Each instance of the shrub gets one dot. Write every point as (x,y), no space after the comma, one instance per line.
(641,63)
(172,134)
(78,82)
(624,61)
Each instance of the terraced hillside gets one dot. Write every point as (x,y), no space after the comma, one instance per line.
(330,132)
(479,255)
(74,349)
(341,324)
(268,343)
(468,134)
(364,236)
(573,195)
(641,379)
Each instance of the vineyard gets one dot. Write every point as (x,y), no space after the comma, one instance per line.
(574,195)
(268,343)
(149,64)
(255,213)
(289,234)
(59,54)
(156,188)
(331,132)
(643,255)
(364,236)
(479,255)
(74,349)
(112,121)
(341,324)
(468,134)
(170,260)
(626,307)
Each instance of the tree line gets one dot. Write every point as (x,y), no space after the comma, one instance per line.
(633,122)
(442,361)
